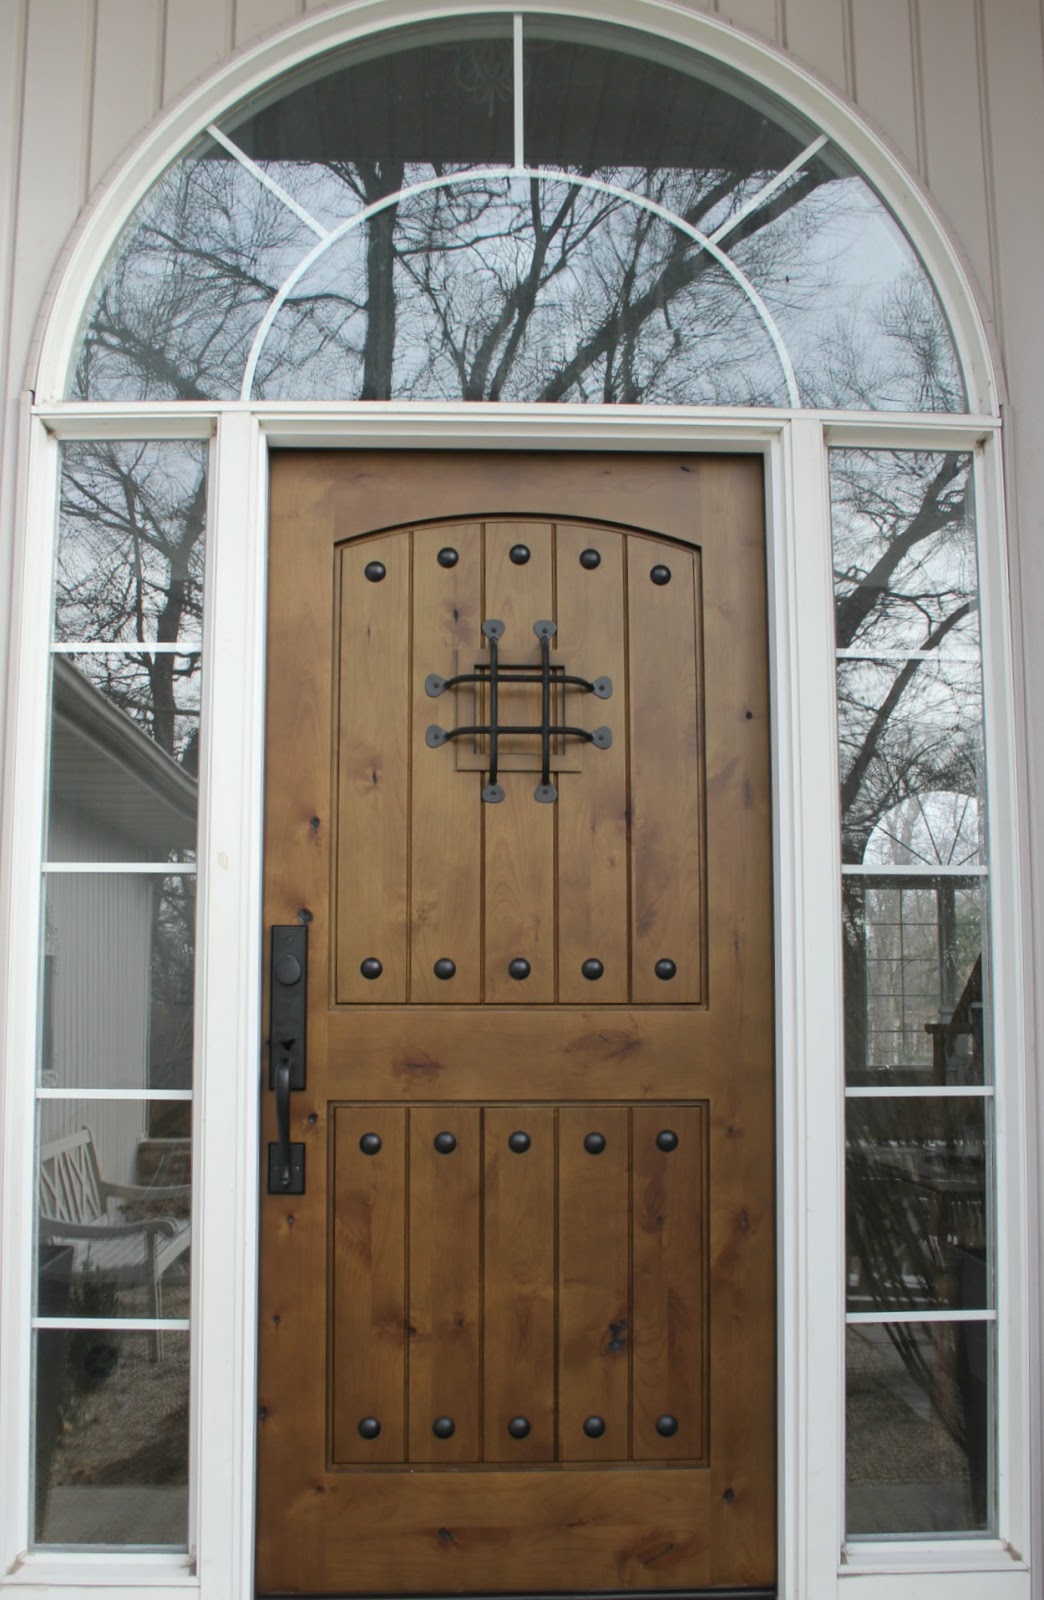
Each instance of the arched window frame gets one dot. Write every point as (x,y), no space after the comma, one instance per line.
(793,445)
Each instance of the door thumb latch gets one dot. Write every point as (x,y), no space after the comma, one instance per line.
(286,1052)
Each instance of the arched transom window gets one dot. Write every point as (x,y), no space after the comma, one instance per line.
(527,208)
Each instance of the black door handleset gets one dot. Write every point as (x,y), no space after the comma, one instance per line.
(286,1052)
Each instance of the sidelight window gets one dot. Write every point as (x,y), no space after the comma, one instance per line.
(114,1089)
(921,1297)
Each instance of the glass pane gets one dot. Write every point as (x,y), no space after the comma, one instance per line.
(111,1438)
(920,1428)
(857,311)
(666,123)
(503,289)
(131,534)
(119,959)
(190,279)
(123,759)
(357,125)
(913,973)
(905,572)
(909,731)
(114,1205)
(918,1212)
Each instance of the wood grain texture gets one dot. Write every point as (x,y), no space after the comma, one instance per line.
(445,1283)
(374,771)
(519,833)
(368,1288)
(594,1283)
(593,846)
(669,1281)
(446,836)
(518,1366)
(665,710)
(419,1528)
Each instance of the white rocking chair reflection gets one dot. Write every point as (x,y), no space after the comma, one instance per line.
(114,1235)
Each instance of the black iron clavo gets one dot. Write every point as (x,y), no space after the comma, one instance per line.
(499,675)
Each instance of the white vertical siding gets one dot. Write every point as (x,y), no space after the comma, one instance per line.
(883,71)
(124,100)
(198,36)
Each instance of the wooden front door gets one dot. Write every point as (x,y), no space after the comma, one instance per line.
(517,1333)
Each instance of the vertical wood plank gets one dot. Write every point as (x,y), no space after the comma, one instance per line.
(670,1282)
(884,70)
(519,832)
(953,124)
(594,1303)
(368,1293)
(446,844)
(445,1290)
(667,804)
(816,36)
(592,809)
(518,1283)
(373,771)
(199,34)
(127,60)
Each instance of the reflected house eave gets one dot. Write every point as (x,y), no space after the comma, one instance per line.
(101,763)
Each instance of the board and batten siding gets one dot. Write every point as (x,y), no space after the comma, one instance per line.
(956,86)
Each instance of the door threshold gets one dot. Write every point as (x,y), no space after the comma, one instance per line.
(549,1594)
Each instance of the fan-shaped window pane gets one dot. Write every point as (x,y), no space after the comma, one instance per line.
(519,289)
(715,250)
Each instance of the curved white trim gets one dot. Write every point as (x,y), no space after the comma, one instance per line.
(478,174)
(100,226)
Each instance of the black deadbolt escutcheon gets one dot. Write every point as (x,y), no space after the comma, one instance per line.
(445,1143)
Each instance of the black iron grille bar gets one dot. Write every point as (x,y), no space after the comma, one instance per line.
(494,709)
(545,708)
(499,673)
